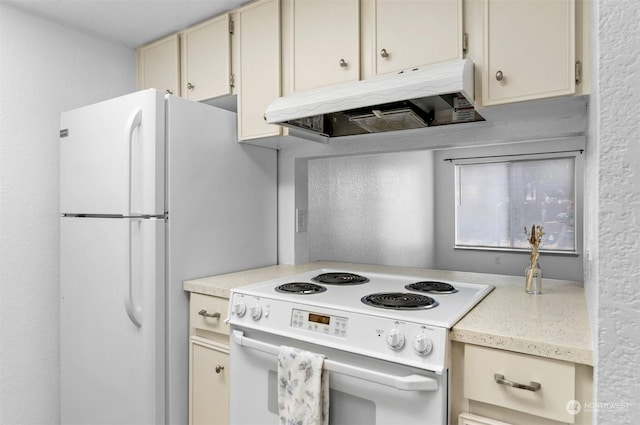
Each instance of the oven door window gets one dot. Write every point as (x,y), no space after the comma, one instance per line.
(343,407)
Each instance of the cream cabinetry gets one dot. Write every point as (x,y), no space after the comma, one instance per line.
(208,360)
(258,37)
(206,59)
(529,50)
(517,388)
(325,42)
(158,65)
(412,33)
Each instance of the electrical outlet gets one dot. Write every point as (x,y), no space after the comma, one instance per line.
(301,220)
(498,259)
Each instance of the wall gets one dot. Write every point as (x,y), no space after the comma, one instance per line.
(565,117)
(44,69)
(612,266)
(373,209)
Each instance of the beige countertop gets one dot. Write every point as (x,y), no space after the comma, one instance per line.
(554,324)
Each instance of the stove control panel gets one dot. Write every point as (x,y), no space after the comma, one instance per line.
(321,323)
(401,341)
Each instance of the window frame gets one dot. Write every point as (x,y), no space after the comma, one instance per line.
(578,195)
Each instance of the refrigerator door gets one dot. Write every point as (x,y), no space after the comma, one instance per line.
(112,339)
(112,157)
(222,201)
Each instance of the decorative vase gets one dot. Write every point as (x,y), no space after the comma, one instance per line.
(533,280)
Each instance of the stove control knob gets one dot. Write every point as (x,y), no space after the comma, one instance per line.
(395,339)
(422,344)
(256,311)
(239,308)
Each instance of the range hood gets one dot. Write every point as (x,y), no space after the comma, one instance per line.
(439,94)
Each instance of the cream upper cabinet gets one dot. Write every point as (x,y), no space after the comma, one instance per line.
(158,65)
(529,50)
(258,33)
(326,40)
(206,59)
(412,33)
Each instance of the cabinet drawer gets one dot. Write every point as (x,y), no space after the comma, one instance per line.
(556,381)
(210,305)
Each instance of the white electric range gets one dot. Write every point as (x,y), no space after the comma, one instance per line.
(385,338)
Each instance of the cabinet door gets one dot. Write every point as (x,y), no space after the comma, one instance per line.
(259,39)
(159,65)
(209,392)
(206,60)
(325,42)
(412,33)
(529,50)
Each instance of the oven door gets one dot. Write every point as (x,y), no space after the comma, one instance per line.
(362,390)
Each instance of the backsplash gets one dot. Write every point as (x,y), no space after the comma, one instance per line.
(375,209)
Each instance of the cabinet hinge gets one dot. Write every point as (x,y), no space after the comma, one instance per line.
(578,72)
(231,25)
(465,43)
(232,80)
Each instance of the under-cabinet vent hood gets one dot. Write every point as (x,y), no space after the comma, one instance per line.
(431,95)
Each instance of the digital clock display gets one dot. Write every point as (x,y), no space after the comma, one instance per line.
(317,318)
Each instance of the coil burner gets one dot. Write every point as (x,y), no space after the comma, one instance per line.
(432,287)
(303,288)
(399,301)
(340,278)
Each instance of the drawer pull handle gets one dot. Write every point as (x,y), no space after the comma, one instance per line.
(204,313)
(219,368)
(533,386)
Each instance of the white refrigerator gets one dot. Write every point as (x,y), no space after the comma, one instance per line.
(154,190)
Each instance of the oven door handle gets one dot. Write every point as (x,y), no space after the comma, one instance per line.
(413,382)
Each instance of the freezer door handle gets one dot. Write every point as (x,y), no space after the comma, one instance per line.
(135,250)
(134,121)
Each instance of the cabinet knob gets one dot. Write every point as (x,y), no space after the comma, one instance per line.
(219,368)
(499,76)
(167,91)
(384,53)
(190,86)
(343,63)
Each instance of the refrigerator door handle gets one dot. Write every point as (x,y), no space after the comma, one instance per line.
(133,311)
(134,121)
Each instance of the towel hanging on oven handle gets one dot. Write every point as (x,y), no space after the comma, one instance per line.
(413,382)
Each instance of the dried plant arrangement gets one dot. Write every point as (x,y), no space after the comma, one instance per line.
(535,239)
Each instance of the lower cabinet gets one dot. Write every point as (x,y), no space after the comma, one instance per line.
(499,387)
(208,361)
(209,382)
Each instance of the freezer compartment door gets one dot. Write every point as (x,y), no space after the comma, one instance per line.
(112,339)
(112,156)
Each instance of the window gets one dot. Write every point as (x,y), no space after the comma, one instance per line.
(496,201)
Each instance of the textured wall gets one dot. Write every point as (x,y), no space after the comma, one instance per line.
(44,69)
(374,209)
(615,141)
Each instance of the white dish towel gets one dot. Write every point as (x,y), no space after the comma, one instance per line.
(303,388)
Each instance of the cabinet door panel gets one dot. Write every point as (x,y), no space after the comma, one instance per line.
(530,49)
(414,33)
(206,60)
(209,384)
(159,66)
(259,37)
(325,33)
